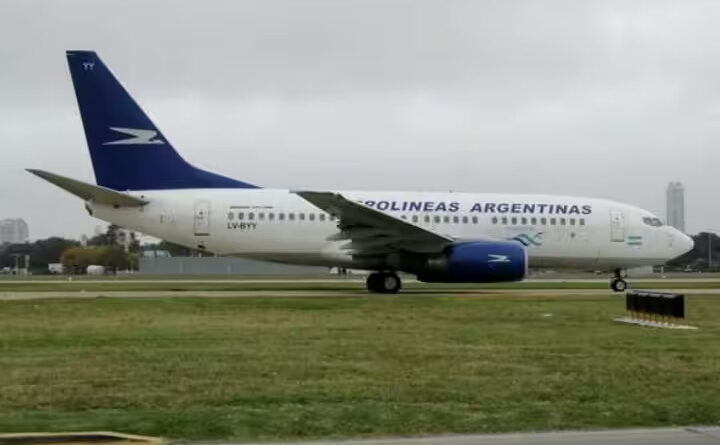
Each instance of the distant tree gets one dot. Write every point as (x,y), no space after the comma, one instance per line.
(115,236)
(114,258)
(41,252)
(134,245)
(48,250)
(697,258)
(111,237)
(75,260)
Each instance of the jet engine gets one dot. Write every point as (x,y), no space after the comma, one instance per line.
(477,262)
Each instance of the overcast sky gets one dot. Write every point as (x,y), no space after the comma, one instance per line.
(596,98)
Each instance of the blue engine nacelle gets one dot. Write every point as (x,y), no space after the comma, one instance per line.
(478,262)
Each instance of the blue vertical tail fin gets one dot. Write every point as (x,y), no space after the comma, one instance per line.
(128,151)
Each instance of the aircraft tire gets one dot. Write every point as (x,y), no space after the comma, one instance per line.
(373,282)
(618,285)
(383,282)
(391,283)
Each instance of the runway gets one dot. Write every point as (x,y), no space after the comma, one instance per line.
(359,293)
(648,436)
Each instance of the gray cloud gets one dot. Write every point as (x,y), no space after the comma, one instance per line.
(596,98)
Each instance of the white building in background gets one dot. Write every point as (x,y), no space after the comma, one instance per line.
(676,205)
(13,231)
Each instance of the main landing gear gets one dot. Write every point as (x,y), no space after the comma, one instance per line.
(618,283)
(384,282)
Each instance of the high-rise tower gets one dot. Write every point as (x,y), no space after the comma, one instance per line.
(676,205)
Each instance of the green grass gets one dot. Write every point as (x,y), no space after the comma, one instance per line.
(417,364)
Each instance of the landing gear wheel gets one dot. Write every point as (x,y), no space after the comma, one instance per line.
(618,285)
(373,282)
(383,282)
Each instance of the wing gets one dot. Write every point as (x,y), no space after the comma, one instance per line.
(371,232)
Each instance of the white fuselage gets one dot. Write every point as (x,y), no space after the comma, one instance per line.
(278,225)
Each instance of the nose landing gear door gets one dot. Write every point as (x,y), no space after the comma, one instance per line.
(617,226)
(201,218)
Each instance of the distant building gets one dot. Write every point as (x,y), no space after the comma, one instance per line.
(676,205)
(13,231)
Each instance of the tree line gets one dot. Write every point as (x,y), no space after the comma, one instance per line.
(115,249)
(107,249)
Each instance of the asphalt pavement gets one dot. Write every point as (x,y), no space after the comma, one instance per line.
(649,436)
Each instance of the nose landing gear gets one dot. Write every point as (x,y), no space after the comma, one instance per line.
(383,282)
(618,283)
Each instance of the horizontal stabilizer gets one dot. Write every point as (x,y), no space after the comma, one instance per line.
(90,192)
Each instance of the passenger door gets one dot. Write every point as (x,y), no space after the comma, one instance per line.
(201,218)
(617,226)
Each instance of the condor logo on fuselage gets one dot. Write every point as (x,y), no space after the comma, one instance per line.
(492,258)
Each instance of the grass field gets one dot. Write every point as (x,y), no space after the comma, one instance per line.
(318,367)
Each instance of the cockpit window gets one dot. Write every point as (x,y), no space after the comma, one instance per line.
(652,221)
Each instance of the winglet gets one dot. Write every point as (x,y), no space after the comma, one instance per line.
(90,192)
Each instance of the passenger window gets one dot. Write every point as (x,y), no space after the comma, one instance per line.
(271,216)
(562,221)
(552,221)
(251,216)
(241,215)
(291,216)
(582,221)
(504,220)
(494,219)
(523,221)
(231,215)
(403,216)
(301,216)
(261,215)
(513,221)
(414,218)
(427,218)
(533,221)
(464,219)
(321,216)
(437,219)
(543,221)
(474,219)
(446,219)
(572,221)
(456,220)
(281,216)
(311,216)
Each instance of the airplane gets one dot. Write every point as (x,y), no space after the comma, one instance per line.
(143,184)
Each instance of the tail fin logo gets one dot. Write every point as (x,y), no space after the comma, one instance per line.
(139,137)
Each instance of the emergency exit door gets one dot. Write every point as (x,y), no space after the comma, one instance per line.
(617,226)
(201,218)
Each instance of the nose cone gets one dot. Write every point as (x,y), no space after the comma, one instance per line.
(682,243)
